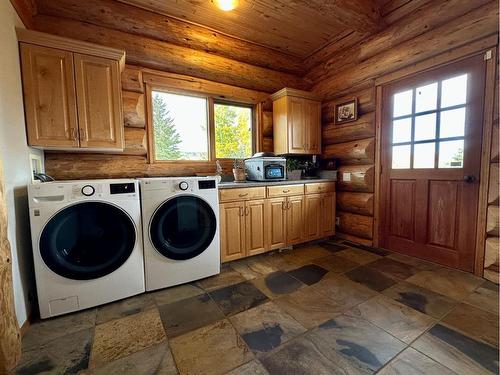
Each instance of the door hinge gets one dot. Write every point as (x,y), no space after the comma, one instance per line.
(487,55)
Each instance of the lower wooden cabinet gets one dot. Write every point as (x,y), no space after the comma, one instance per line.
(232,231)
(295,220)
(255,226)
(276,228)
(328,215)
(319,216)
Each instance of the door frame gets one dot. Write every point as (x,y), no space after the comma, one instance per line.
(483,46)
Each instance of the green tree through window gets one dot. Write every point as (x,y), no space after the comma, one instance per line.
(233,131)
(167,139)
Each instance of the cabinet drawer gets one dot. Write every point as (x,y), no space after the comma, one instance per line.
(285,190)
(320,187)
(239,194)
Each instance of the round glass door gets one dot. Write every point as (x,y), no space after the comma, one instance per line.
(87,241)
(183,227)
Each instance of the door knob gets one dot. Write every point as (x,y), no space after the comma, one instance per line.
(469,179)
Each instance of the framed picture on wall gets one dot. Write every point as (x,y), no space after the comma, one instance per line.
(346,111)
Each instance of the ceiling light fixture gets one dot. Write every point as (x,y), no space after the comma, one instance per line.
(226,5)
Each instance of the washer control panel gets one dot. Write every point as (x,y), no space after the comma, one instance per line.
(88,190)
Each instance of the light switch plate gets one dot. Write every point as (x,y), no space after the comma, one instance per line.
(346,176)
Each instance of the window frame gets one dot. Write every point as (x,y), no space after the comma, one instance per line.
(212,99)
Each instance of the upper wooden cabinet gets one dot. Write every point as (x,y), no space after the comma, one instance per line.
(296,122)
(72,93)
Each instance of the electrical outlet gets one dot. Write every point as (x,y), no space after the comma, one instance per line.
(337,220)
(346,176)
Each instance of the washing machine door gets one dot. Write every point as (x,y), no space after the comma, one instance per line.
(87,240)
(183,227)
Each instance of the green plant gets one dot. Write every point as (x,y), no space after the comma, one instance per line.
(294,164)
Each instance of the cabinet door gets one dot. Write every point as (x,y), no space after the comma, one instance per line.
(276,222)
(312,123)
(232,231)
(296,127)
(256,226)
(312,224)
(99,102)
(295,220)
(328,215)
(49,96)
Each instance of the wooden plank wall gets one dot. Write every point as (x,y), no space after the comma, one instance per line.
(433,30)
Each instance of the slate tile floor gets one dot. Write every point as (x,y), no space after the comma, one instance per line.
(328,308)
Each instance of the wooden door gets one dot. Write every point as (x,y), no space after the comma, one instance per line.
(313,126)
(276,222)
(297,132)
(98,98)
(49,96)
(328,215)
(255,227)
(431,146)
(312,214)
(232,231)
(295,220)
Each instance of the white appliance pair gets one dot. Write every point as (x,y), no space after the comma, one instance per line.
(91,247)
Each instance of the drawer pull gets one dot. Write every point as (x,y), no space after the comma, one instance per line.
(243,195)
(286,191)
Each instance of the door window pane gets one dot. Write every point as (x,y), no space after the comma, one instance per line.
(452,123)
(403,103)
(233,131)
(423,155)
(401,130)
(401,157)
(451,154)
(426,98)
(454,91)
(425,127)
(179,127)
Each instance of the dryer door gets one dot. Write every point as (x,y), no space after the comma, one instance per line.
(87,240)
(183,227)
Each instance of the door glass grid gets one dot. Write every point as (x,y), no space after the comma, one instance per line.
(428,125)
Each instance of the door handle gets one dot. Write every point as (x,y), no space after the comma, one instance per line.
(241,211)
(283,206)
(469,179)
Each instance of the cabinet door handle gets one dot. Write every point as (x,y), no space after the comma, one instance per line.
(247,211)
(283,207)
(288,205)
(241,211)
(82,133)
(242,195)
(74,134)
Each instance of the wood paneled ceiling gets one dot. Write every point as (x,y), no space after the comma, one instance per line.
(295,27)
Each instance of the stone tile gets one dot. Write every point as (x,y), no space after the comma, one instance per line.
(355,345)
(400,321)
(421,299)
(238,297)
(308,307)
(336,264)
(176,293)
(122,337)
(277,284)
(299,356)
(420,264)
(68,354)
(458,352)
(451,283)
(343,292)
(333,247)
(123,308)
(266,327)
(474,322)
(213,349)
(371,278)
(304,255)
(251,368)
(412,362)
(371,249)
(156,360)
(485,297)
(280,261)
(309,274)
(189,314)
(44,331)
(227,276)
(358,256)
(253,267)
(393,268)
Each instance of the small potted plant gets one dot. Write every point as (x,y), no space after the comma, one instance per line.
(294,169)
(239,170)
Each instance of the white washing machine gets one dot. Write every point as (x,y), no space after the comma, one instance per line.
(87,243)
(180,218)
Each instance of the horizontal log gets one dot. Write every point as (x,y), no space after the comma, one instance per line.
(355,152)
(460,31)
(132,79)
(366,103)
(355,239)
(363,127)
(493,221)
(356,203)
(267,123)
(267,144)
(493,190)
(495,134)
(423,20)
(394,10)
(356,178)
(356,225)
(491,251)
(130,19)
(165,56)
(135,141)
(134,112)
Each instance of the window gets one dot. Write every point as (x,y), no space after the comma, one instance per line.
(233,131)
(428,125)
(182,126)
